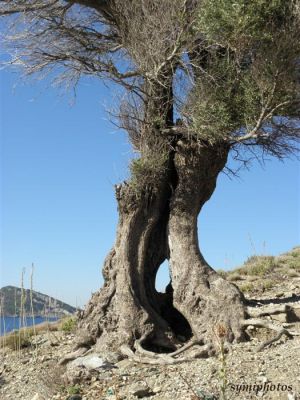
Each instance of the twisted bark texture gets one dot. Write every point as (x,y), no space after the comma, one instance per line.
(160,224)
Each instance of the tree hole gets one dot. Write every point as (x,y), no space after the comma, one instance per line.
(162,278)
(175,319)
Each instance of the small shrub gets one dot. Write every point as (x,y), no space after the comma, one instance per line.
(261,267)
(75,389)
(294,265)
(69,324)
(222,273)
(252,260)
(235,277)
(247,287)
(295,252)
(18,340)
(147,170)
(268,284)
(201,395)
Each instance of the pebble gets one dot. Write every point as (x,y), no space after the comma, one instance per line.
(91,361)
(140,390)
(277,363)
(75,397)
(37,396)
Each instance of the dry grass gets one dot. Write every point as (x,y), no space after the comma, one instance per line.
(266,266)
(22,338)
(248,287)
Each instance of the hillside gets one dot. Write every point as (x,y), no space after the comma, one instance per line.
(244,371)
(261,273)
(10,297)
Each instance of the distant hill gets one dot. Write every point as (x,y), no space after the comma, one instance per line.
(263,272)
(10,301)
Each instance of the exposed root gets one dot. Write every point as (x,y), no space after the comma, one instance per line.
(144,356)
(70,357)
(140,350)
(163,359)
(185,347)
(280,309)
(268,325)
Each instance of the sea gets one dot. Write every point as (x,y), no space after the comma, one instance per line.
(8,324)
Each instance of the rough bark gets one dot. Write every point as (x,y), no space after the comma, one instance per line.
(161,223)
(205,299)
(127,307)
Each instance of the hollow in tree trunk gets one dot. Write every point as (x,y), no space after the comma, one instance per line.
(157,224)
(205,299)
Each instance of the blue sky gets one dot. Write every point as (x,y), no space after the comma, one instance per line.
(59,164)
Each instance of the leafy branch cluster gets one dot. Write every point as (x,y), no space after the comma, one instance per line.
(227,70)
(248,91)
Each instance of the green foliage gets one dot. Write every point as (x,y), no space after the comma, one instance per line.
(247,287)
(18,339)
(250,70)
(235,276)
(290,260)
(205,396)
(147,169)
(236,22)
(222,273)
(69,324)
(75,389)
(260,265)
(295,252)
(268,284)
(295,265)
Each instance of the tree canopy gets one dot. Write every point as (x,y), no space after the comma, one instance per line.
(223,69)
(199,78)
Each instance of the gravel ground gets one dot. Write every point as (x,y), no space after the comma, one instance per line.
(34,373)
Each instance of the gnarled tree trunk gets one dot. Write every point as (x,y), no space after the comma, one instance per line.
(205,299)
(159,224)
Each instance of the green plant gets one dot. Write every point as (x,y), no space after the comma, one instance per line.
(222,273)
(235,276)
(252,260)
(75,389)
(260,265)
(69,324)
(201,395)
(146,170)
(18,339)
(268,284)
(220,333)
(247,287)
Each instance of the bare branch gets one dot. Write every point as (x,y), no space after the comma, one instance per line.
(8,7)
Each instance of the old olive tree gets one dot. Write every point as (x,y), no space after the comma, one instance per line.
(199,79)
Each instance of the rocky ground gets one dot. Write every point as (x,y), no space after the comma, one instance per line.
(34,372)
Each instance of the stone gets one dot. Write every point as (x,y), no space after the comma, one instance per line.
(75,397)
(45,358)
(91,361)
(140,390)
(280,317)
(279,294)
(37,396)
(126,363)
(112,357)
(156,389)
(294,314)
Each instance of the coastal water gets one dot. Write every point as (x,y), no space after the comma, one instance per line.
(8,324)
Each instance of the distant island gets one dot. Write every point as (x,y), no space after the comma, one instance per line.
(43,305)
